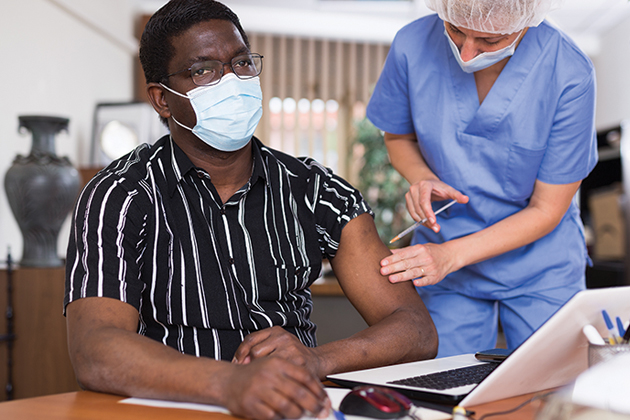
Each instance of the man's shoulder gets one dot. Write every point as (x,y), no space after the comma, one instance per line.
(131,169)
(304,174)
(301,166)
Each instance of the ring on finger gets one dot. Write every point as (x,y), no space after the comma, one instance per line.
(422,271)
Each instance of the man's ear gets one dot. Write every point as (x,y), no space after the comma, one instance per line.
(155,92)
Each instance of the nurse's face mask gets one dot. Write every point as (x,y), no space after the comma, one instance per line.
(483,60)
(227,112)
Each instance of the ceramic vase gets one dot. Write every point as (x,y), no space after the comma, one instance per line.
(41,189)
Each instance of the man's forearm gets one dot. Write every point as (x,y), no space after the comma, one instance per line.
(405,335)
(400,329)
(125,363)
(108,355)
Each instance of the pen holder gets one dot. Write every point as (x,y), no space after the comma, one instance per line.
(600,353)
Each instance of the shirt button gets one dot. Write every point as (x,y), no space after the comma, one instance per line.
(200,175)
(223,211)
(231,261)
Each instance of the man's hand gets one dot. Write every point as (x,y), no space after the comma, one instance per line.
(275,341)
(273,388)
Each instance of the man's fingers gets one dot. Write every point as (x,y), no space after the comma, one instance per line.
(263,349)
(273,389)
(297,393)
(245,348)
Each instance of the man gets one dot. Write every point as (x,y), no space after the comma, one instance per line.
(199,250)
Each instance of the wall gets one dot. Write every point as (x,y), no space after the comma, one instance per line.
(59,57)
(362,21)
(613,79)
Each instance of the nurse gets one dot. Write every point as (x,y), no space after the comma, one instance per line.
(488,104)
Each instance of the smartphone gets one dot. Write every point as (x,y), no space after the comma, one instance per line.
(493,355)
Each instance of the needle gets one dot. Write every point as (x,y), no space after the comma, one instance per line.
(415,225)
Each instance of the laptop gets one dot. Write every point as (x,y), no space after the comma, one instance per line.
(551,357)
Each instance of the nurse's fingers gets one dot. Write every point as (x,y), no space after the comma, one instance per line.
(405,263)
(431,221)
(418,200)
(425,281)
(426,196)
(413,207)
(420,196)
(459,197)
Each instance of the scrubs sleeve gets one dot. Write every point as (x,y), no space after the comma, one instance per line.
(572,148)
(389,108)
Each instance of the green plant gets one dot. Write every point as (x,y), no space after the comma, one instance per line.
(381,185)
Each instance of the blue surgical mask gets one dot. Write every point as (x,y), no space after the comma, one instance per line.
(483,60)
(227,113)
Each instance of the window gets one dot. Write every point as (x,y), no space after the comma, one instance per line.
(314,90)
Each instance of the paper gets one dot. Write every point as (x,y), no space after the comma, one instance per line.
(175,404)
(606,385)
(335,395)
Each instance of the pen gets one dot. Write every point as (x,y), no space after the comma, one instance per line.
(415,225)
(626,336)
(611,330)
(338,414)
(622,330)
(592,335)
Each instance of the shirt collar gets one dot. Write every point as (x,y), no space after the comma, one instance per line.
(259,170)
(181,164)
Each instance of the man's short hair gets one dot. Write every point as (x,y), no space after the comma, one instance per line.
(174,18)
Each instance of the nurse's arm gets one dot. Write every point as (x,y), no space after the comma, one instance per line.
(547,206)
(406,157)
(425,186)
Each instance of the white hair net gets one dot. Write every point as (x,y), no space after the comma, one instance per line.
(493,16)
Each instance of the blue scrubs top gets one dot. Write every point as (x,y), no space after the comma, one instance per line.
(537,122)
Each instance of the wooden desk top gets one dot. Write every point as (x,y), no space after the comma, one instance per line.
(327,286)
(86,405)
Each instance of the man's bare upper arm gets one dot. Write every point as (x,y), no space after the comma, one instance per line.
(90,314)
(357,267)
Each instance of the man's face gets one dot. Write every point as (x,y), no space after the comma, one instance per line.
(211,40)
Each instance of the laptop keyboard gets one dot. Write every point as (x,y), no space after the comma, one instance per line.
(448,379)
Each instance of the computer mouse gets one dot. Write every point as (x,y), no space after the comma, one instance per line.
(375,402)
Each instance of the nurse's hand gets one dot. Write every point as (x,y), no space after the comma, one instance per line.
(427,264)
(420,196)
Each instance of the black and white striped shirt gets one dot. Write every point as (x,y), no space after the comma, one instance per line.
(151,230)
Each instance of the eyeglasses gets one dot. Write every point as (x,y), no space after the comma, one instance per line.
(205,73)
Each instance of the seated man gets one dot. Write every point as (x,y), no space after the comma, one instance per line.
(189,261)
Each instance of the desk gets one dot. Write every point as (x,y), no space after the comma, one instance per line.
(86,405)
